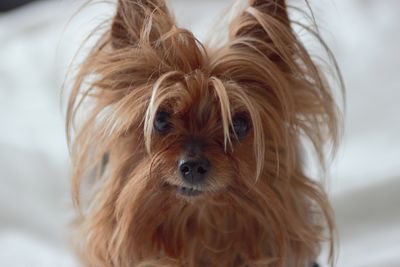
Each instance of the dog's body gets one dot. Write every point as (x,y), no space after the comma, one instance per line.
(204,167)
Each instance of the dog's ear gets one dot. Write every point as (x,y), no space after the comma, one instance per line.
(139,20)
(276,8)
(266,21)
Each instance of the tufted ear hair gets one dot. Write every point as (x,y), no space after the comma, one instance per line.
(276,8)
(138,21)
(267,22)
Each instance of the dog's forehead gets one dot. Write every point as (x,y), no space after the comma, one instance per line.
(198,97)
(195,102)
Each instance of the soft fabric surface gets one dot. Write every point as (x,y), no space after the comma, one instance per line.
(38,42)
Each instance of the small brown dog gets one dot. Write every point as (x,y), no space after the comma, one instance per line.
(204,143)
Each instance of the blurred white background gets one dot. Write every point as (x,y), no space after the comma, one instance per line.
(38,42)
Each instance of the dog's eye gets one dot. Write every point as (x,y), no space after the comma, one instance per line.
(162,123)
(241,126)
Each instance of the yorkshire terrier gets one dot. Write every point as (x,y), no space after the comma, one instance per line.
(197,150)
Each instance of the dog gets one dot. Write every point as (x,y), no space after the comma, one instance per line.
(193,154)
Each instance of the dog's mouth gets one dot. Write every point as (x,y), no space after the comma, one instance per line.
(185,191)
(188,191)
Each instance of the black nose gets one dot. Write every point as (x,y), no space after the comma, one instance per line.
(194,171)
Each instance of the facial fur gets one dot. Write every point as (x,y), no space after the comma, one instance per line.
(204,143)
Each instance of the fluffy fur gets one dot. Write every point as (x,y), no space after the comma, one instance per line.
(258,207)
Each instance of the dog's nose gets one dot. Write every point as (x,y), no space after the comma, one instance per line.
(194,171)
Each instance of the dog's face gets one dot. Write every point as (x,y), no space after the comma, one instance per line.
(204,162)
(201,138)
(189,149)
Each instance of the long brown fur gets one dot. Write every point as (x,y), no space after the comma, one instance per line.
(259,207)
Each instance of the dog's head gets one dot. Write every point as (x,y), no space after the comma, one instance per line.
(205,167)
